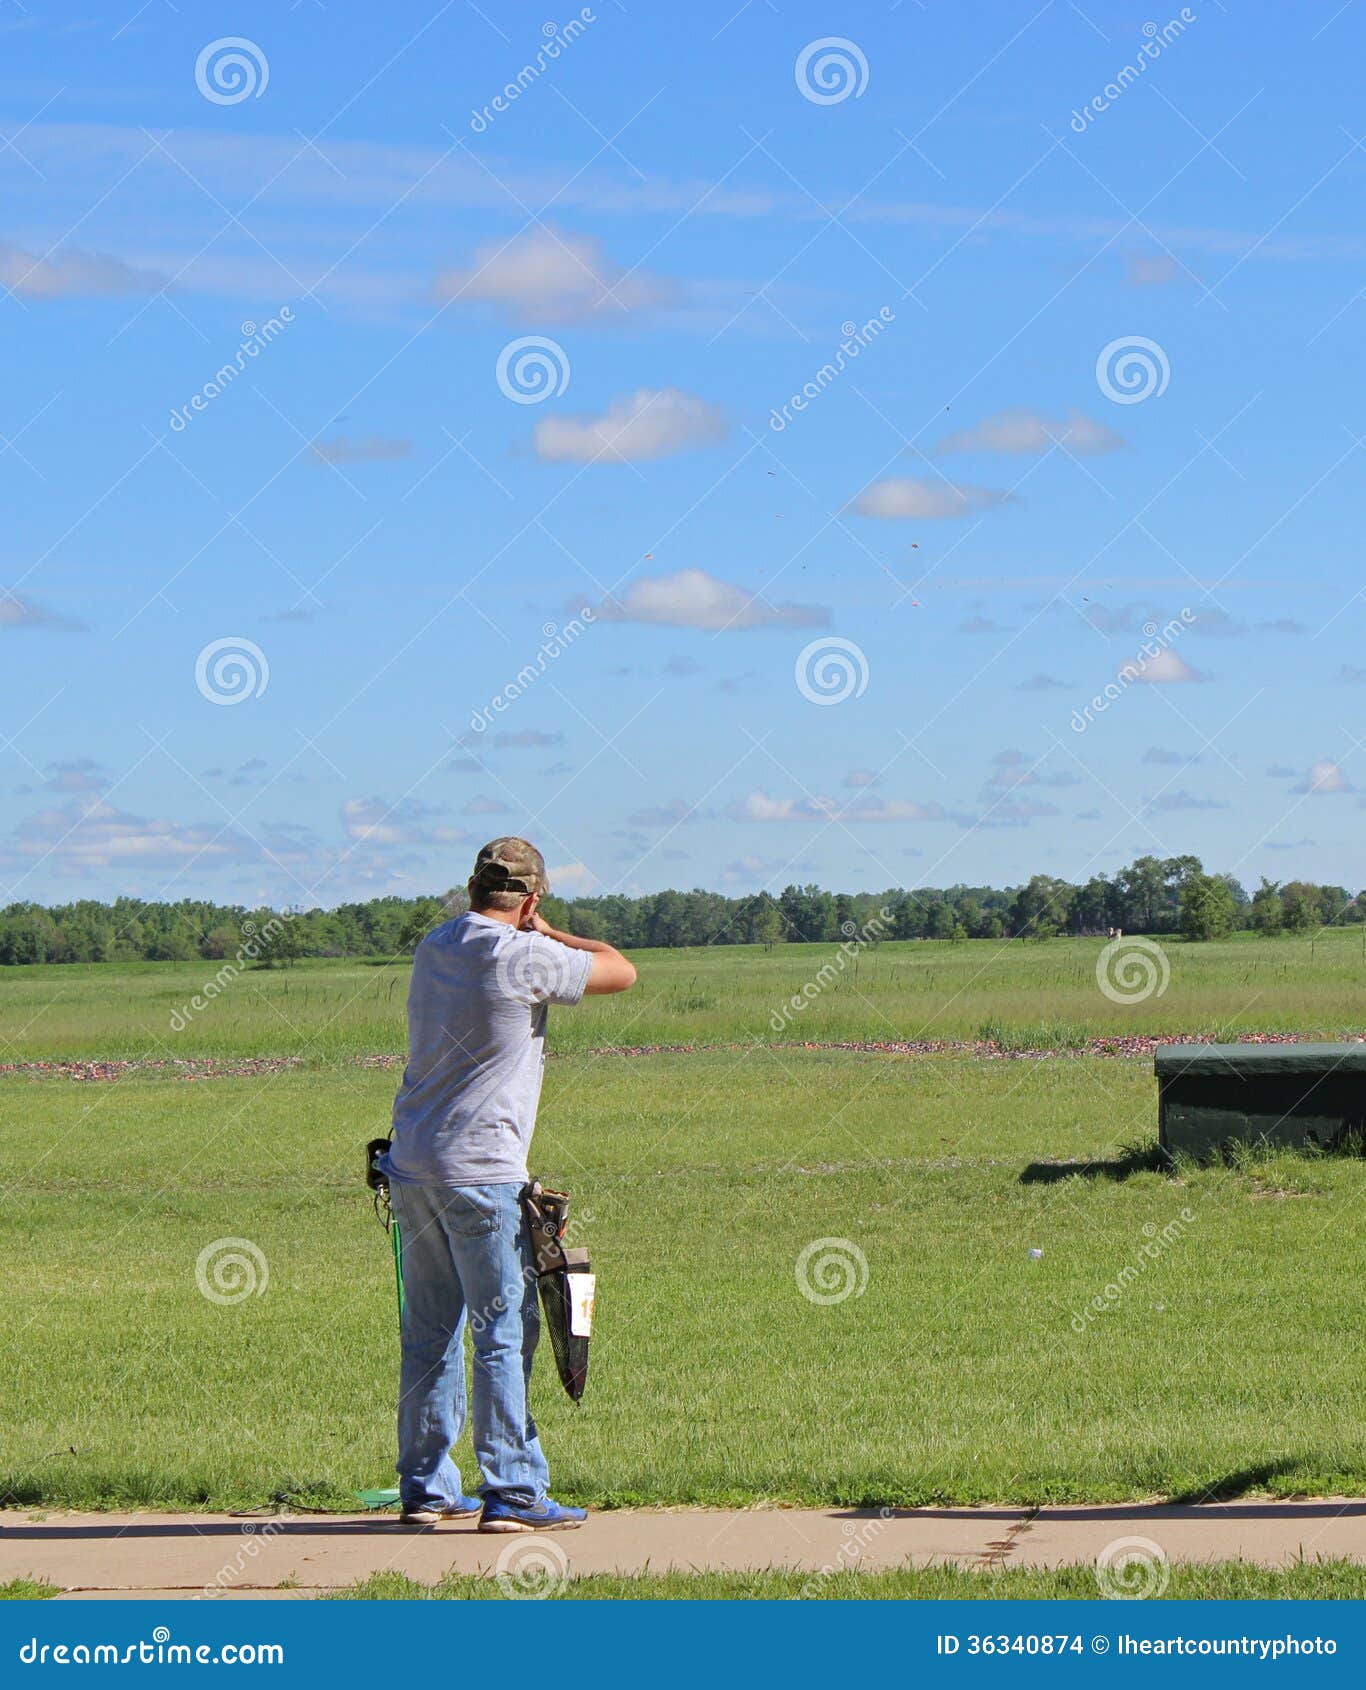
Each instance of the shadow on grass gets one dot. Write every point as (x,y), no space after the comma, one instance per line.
(1132,1159)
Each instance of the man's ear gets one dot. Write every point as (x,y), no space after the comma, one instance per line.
(528,908)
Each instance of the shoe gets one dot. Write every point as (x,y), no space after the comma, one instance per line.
(545,1516)
(465,1508)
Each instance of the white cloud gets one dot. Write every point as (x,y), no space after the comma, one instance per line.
(1012,812)
(1156,271)
(24,613)
(549,276)
(650,423)
(570,878)
(889,810)
(372,821)
(910,497)
(1018,432)
(1184,800)
(1013,769)
(693,599)
(80,774)
(751,868)
(1325,776)
(527,738)
(93,834)
(71,274)
(1164,668)
(1166,758)
(370,451)
(758,806)
(672,814)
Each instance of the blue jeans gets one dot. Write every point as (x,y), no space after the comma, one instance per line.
(466,1261)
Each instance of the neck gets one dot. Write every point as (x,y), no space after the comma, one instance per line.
(507,917)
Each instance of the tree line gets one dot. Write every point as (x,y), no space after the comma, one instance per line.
(1152,895)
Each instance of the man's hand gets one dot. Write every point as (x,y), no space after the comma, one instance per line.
(609,972)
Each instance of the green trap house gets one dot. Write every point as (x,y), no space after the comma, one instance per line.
(1212,1097)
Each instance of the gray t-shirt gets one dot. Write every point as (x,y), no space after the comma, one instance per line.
(466,1110)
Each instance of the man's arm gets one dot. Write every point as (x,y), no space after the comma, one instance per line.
(609,970)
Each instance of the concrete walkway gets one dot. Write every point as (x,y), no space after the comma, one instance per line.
(183,1555)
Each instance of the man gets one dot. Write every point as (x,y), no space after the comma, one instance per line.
(463,1121)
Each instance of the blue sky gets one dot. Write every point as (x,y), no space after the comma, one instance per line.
(856,639)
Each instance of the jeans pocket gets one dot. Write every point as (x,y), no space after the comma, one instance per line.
(470,1213)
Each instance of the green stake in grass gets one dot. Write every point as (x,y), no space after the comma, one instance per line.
(378,1183)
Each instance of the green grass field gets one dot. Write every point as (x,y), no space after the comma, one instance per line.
(957,1369)
(326,1011)
(1229,1581)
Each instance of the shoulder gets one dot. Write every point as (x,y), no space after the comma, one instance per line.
(535,969)
(440,937)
